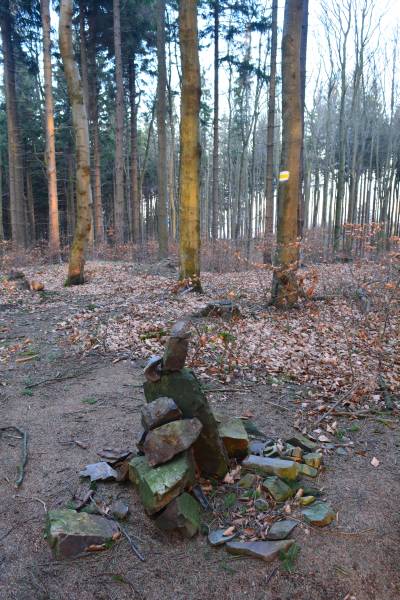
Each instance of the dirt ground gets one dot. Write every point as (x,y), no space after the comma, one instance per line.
(99,405)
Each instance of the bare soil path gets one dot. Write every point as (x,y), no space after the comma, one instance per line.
(99,405)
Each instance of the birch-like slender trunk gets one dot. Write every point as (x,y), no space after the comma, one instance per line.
(54,226)
(119,129)
(162,214)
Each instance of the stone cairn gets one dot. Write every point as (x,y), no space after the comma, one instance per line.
(184,440)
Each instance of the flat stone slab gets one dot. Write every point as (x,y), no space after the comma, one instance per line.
(167,441)
(302,442)
(185,389)
(267,551)
(319,514)
(71,534)
(217,537)
(182,514)
(234,437)
(159,412)
(100,471)
(158,486)
(278,489)
(280,530)
(287,469)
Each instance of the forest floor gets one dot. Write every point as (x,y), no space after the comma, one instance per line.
(71,364)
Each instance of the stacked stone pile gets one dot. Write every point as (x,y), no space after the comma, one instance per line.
(182,438)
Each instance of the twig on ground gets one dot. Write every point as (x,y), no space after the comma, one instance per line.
(24,451)
(32,499)
(270,576)
(131,543)
(60,377)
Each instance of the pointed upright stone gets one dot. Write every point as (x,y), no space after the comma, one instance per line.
(167,441)
(185,389)
(158,486)
(176,349)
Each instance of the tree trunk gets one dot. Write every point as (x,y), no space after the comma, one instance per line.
(162,134)
(215,164)
(190,148)
(302,209)
(119,129)
(134,170)
(54,227)
(269,179)
(81,131)
(1,199)
(15,163)
(284,285)
(94,125)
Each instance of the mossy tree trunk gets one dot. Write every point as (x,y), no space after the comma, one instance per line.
(189,210)
(80,125)
(285,289)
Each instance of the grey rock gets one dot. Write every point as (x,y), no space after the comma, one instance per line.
(217,537)
(267,551)
(286,469)
(280,530)
(100,471)
(319,514)
(119,510)
(152,370)
(159,412)
(167,441)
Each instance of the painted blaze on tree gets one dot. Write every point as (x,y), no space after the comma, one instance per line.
(285,290)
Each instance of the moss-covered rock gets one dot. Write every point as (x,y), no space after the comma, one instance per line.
(234,437)
(71,533)
(160,485)
(182,514)
(286,469)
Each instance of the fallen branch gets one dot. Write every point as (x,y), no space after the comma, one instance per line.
(131,543)
(60,377)
(24,452)
(332,408)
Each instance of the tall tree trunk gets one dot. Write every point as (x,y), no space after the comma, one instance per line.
(189,246)
(134,169)
(94,126)
(1,199)
(162,134)
(54,226)
(302,209)
(119,129)
(30,207)
(269,178)
(81,131)
(215,164)
(15,162)
(284,285)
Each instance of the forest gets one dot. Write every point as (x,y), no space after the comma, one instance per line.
(199,299)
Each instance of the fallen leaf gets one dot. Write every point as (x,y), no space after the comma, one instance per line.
(229,531)
(375,462)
